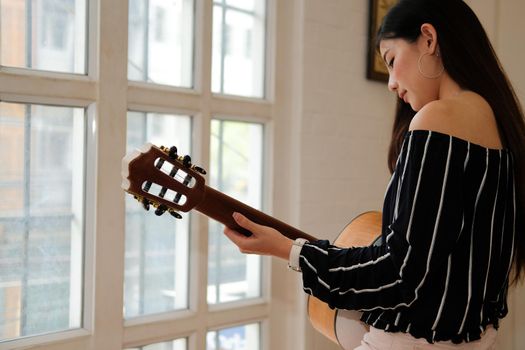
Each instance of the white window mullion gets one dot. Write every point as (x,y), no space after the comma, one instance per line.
(111,146)
(159,331)
(77,224)
(201,146)
(199,235)
(16,82)
(169,98)
(248,108)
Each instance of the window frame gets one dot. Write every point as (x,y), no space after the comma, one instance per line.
(103,325)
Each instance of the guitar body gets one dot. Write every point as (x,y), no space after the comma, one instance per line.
(344,326)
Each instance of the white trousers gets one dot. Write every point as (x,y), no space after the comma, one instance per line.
(377,339)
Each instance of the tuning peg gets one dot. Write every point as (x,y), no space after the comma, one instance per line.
(145,203)
(161,209)
(186,161)
(199,169)
(175,214)
(172,153)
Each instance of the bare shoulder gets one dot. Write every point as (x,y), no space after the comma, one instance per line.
(435,116)
(467,116)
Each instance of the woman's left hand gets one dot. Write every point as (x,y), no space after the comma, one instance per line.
(263,241)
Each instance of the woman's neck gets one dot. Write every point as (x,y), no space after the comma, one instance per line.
(448,88)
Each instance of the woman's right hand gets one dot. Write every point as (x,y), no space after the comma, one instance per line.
(264,240)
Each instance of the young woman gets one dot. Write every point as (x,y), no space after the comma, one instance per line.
(453,234)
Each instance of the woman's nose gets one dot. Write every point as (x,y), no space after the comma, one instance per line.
(392,83)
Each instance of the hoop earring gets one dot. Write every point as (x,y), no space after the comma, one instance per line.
(435,76)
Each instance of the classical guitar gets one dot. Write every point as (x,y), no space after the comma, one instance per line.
(161,179)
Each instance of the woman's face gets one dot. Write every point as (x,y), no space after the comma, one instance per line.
(401,58)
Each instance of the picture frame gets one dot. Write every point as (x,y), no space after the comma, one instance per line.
(376,69)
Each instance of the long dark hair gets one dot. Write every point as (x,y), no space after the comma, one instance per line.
(470,60)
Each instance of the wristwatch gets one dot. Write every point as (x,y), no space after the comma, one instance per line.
(295,252)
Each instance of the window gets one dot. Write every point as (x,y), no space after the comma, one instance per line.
(82,265)
(45,35)
(239,34)
(41,218)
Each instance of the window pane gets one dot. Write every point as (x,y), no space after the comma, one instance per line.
(160,46)
(249,5)
(44,34)
(236,170)
(238,66)
(178,344)
(237,338)
(41,219)
(156,276)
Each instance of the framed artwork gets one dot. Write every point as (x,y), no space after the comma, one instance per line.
(376,69)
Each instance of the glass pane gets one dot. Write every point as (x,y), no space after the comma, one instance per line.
(249,5)
(238,60)
(156,276)
(236,170)
(44,34)
(178,344)
(160,45)
(42,222)
(237,338)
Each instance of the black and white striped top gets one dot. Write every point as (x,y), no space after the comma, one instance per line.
(448,223)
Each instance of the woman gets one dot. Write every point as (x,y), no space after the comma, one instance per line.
(452,233)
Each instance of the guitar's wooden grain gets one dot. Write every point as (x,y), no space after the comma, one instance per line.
(360,232)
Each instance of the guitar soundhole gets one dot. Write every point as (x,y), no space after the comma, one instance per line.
(175,172)
(164,192)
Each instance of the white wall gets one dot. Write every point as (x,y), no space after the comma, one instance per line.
(346,119)
(345,124)
(339,127)
(504,23)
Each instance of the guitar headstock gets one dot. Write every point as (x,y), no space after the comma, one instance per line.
(159,177)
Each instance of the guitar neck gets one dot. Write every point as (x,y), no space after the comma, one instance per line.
(220,207)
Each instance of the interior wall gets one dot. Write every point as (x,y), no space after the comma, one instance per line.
(508,41)
(345,123)
(346,119)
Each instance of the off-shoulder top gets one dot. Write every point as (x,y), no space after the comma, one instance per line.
(448,226)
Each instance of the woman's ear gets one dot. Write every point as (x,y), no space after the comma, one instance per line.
(429,36)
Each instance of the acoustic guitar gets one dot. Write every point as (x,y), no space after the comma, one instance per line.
(161,179)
